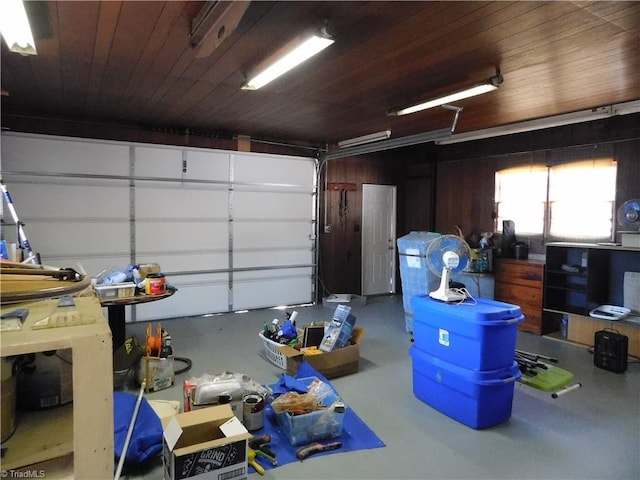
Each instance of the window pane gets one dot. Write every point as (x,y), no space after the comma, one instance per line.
(519,182)
(521,193)
(593,180)
(582,196)
(581,219)
(528,217)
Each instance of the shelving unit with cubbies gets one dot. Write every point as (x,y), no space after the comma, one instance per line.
(580,277)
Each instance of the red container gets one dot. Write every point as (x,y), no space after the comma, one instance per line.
(155,284)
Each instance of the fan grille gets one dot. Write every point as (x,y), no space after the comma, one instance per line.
(628,214)
(448,251)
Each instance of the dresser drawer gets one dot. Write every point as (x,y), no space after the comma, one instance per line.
(519,282)
(525,297)
(520,273)
(529,300)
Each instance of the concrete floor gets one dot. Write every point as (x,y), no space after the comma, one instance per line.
(590,433)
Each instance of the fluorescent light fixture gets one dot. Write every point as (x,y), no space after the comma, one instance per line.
(548,122)
(372,137)
(287,58)
(492,84)
(15,28)
(389,144)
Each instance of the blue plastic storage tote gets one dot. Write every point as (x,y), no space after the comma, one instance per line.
(478,399)
(318,425)
(477,334)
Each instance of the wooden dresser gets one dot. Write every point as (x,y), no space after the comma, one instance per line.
(520,282)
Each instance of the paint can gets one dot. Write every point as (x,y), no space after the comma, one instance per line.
(155,284)
(253,411)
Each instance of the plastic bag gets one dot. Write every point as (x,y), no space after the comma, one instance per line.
(321,390)
(295,403)
(113,275)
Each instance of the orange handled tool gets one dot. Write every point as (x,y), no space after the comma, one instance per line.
(154,343)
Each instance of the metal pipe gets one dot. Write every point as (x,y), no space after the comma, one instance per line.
(130,431)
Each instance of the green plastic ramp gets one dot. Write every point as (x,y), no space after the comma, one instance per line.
(549,380)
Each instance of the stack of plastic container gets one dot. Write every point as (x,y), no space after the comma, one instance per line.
(416,277)
(464,358)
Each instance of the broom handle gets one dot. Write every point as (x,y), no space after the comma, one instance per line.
(130,431)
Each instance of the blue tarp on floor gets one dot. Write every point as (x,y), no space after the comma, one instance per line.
(356,435)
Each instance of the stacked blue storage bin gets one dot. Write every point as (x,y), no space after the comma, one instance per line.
(416,277)
(463,358)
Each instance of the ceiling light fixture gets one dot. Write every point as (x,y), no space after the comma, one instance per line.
(215,22)
(15,28)
(291,55)
(372,137)
(492,84)
(389,144)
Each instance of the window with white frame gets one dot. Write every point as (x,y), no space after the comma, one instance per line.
(570,201)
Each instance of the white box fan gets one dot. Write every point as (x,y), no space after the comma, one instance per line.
(628,216)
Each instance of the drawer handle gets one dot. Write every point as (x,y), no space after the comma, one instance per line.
(531,275)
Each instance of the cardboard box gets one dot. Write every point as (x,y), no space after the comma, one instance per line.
(338,332)
(208,443)
(337,363)
(159,373)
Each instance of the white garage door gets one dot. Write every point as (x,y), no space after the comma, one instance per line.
(231,230)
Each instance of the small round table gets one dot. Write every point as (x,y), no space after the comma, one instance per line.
(115,307)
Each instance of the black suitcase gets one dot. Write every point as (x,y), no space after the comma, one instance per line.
(610,351)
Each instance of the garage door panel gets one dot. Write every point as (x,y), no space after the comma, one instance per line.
(187,261)
(207,165)
(181,236)
(273,169)
(285,287)
(154,200)
(203,293)
(59,201)
(276,206)
(158,162)
(247,259)
(271,235)
(79,238)
(48,154)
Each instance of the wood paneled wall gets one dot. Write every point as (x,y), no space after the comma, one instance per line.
(465,178)
(341,208)
(443,186)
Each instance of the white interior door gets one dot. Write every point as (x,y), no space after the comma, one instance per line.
(378,239)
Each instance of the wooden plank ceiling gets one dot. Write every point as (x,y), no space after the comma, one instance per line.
(131,63)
